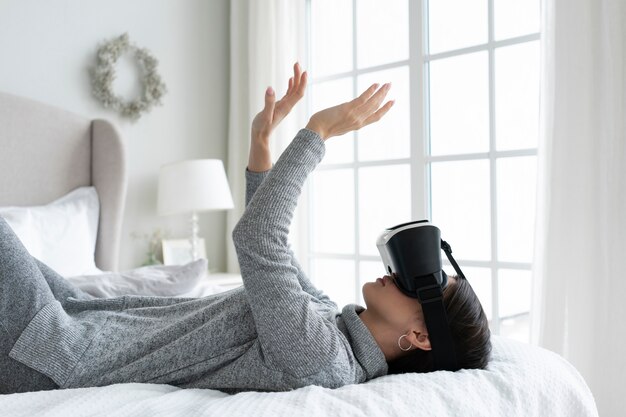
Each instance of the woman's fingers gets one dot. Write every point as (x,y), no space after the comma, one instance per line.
(303,82)
(274,111)
(289,87)
(374,102)
(270,101)
(376,116)
(362,109)
(365,95)
(297,86)
(352,115)
(297,72)
(294,81)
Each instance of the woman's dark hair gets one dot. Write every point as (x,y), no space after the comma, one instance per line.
(470,333)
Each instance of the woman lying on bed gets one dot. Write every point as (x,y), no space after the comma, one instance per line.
(277,332)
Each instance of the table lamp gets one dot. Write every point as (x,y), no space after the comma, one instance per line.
(193,186)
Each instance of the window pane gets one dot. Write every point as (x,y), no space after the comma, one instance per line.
(514,290)
(333,211)
(369,271)
(388,138)
(331,24)
(384,201)
(454,24)
(459,104)
(461,207)
(480,280)
(336,278)
(516,208)
(515,18)
(339,149)
(517,328)
(382,32)
(517,96)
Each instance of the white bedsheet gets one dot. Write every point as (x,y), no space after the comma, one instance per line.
(521,381)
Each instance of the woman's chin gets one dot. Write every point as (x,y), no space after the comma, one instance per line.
(367,289)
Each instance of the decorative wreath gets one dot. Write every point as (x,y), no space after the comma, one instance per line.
(103,75)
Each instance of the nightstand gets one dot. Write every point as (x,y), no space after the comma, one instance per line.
(228,281)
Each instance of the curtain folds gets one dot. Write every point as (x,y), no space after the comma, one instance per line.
(580,254)
(266,38)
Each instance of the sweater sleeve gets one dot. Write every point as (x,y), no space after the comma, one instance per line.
(293,336)
(253,180)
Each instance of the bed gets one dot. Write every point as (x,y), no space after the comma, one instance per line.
(46,152)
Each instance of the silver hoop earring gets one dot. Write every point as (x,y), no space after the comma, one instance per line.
(400,346)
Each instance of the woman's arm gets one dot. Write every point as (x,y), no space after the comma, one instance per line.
(293,336)
(253,180)
(260,160)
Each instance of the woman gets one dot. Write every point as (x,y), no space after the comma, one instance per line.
(277,332)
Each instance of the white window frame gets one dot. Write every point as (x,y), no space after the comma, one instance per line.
(420,160)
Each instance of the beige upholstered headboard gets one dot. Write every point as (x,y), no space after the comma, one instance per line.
(45,152)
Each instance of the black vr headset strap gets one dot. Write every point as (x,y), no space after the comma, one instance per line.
(439,334)
(448,250)
(440,337)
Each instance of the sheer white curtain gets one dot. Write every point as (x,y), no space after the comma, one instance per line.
(580,262)
(267,38)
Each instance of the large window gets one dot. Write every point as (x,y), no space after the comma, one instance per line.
(459,146)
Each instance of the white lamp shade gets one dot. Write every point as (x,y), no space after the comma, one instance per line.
(195,185)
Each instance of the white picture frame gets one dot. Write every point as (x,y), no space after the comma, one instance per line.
(178,251)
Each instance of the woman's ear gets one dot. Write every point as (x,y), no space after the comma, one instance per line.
(419,340)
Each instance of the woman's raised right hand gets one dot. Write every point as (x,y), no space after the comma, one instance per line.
(353,115)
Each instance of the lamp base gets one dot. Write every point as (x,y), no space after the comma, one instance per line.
(194,236)
(194,250)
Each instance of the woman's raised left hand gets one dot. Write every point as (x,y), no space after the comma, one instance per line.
(275,111)
(272,114)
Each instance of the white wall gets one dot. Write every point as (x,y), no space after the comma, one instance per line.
(46,47)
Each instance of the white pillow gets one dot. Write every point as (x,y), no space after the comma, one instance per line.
(61,234)
(160,280)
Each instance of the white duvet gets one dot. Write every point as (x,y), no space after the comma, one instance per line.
(521,381)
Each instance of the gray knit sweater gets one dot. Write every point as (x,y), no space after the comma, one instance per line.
(276,333)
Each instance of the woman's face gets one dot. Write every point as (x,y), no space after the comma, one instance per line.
(384,299)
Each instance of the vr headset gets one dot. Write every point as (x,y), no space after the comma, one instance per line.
(411,253)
